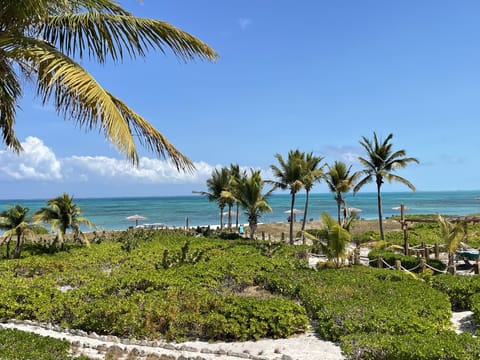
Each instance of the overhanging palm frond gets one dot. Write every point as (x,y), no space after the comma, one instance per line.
(37,37)
(115,35)
(10,91)
(77,94)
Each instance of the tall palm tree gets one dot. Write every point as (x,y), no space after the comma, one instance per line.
(289,175)
(380,164)
(217,183)
(46,40)
(235,174)
(15,221)
(451,234)
(313,173)
(63,214)
(248,192)
(340,181)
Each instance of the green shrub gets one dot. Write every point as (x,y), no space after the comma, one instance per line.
(458,288)
(445,345)
(246,318)
(19,345)
(408,262)
(475,307)
(360,300)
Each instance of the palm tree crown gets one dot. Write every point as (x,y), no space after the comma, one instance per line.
(289,175)
(62,214)
(340,181)
(39,40)
(248,192)
(380,164)
(216,184)
(16,223)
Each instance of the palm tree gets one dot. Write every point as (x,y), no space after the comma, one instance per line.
(334,240)
(63,214)
(14,220)
(289,176)
(339,181)
(313,173)
(217,183)
(235,174)
(451,234)
(380,164)
(248,192)
(45,41)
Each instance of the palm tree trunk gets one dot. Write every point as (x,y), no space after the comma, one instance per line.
(7,255)
(229,216)
(236,217)
(291,219)
(305,216)
(18,247)
(339,204)
(305,210)
(221,217)
(380,214)
(252,224)
(345,212)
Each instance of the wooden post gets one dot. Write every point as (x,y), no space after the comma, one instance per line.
(404,228)
(263,235)
(268,237)
(424,252)
(398,264)
(379,262)
(356,259)
(423,264)
(283,236)
(476,266)
(437,251)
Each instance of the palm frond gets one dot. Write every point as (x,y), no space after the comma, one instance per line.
(103,35)
(10,92)
(77,94)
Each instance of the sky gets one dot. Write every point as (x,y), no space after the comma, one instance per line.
(312,75)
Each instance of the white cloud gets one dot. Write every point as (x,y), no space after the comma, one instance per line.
(35,162)
(149,171)
(244,23)
(347,154)
(86,173)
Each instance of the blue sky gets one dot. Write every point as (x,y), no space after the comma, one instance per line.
(314,75)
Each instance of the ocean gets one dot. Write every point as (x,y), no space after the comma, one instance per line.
(111,213)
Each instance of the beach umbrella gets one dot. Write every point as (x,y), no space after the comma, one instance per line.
(135,218)
(295,211)
(398,208)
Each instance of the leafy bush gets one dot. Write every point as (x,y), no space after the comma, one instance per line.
(446,345)
(458,288)
(360,300)
(408,262)
(475,307)
(19,345)
(271,317)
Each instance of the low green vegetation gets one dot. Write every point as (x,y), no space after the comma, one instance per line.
(151,284)
(19,345)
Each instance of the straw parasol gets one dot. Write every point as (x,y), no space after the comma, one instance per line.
(136,218)
(294,212)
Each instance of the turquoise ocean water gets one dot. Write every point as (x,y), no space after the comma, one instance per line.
(111,213)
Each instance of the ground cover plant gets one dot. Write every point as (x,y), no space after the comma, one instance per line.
(18,345)
(169,285)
